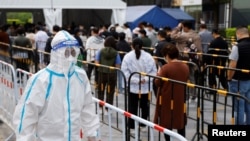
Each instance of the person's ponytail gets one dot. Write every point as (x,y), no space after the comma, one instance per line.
(137,45)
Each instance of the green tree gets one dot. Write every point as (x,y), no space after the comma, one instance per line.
(23,17)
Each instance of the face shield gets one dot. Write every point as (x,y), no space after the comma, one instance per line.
(64,53)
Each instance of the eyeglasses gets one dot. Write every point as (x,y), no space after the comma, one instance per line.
(68,51)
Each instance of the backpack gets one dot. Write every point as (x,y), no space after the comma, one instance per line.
(107,58)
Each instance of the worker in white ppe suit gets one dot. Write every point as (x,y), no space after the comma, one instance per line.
(57,101)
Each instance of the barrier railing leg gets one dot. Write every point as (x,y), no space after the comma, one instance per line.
(11,135)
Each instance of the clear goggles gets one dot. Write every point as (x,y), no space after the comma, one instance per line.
(70,51)
(70,47)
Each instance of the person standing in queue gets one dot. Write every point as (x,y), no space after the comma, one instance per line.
(238,81)
(138,60)
(171,93)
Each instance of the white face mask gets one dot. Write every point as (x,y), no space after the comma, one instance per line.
(69,65)
(65,59)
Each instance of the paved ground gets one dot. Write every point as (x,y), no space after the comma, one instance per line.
(116,122)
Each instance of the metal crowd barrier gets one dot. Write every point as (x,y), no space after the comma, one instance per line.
(150,50)
(22,80)
(117,117)
(40,49)
(24,58)
(152,127)
(20,57)
(8,94)
(119,92)
(217,92)
(5,52)
(203,112)
(124,81)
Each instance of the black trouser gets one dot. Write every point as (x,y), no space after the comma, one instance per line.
(180,131)
(221,75)
(22,65)
(90,69)
(134,102)
(108,81)
(155,88)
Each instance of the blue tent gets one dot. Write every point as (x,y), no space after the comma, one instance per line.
(155,15)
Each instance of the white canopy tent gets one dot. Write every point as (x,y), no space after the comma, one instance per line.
(53,9)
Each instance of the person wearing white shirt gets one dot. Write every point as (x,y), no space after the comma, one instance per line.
(93,44)
(127,32)
(138,60)
(41,38)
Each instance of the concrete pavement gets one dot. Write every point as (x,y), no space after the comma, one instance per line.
(117,135)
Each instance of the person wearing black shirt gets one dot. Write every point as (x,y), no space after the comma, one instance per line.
(48,47)
(105,33)
(217,43)
(122,44)
(161,36)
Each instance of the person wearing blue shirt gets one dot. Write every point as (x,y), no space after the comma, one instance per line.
(107,77)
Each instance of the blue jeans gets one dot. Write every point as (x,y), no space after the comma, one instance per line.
(242,107)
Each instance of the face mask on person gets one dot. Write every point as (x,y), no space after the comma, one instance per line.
(70,58)
(65,59)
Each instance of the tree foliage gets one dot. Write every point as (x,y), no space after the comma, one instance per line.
(22,16)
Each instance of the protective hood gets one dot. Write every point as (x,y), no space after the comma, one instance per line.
(64,53)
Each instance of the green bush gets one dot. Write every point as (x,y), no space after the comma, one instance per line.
(17,21)
(223,32)
(20,18)
(230,32)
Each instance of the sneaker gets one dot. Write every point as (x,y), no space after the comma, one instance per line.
(192,99)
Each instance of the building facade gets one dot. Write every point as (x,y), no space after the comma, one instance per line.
(160,3)
(240,13)
(230,13)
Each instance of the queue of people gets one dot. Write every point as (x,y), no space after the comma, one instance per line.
(102,47)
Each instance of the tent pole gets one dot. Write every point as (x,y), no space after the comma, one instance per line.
(51,3)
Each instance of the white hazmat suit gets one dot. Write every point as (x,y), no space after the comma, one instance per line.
(57,101)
